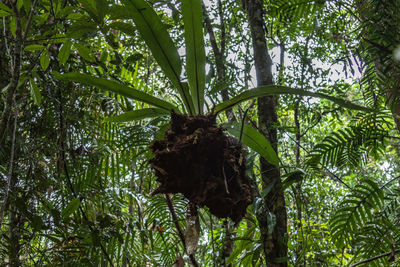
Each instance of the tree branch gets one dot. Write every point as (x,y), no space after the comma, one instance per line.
(15,70)
(179,228)
(376,257)
(10,169)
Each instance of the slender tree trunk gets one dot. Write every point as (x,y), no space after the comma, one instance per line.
(14,229)
(273,235)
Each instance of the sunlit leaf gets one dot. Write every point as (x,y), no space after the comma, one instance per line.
(34,47)
(162,47)
(65,51)
(281,90)
(253,139)
(71,208)
(195,55)
(44,60)
(117,88)
(139,114)
(35,92)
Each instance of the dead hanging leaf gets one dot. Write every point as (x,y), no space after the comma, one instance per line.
(192,229)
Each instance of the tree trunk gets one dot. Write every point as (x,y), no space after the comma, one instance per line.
(273,234)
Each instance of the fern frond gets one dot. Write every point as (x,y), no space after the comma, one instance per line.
(294,10)
(355,211)
(351,146)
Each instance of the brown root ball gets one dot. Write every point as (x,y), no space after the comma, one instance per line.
(197,159)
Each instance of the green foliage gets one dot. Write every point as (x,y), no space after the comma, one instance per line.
(195,54)
(118,88)
(253,139)
(164,51)
(81,192)
(356,210)
(350,146)
(280,90)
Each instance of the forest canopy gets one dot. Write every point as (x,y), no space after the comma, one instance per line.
(199,133)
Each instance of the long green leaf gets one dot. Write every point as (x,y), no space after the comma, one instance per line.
(161,45)
(35,92)
(71,208)
(138,115)
(116,88)
(65,51)
(279,90)
(255,140)
(195,55)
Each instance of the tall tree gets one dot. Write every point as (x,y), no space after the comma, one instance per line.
(273,232)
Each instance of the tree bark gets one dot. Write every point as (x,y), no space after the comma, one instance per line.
(273,235)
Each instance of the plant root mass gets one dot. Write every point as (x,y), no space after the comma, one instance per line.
(197,159)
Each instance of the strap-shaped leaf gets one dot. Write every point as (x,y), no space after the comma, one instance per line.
(139,114)
(253,139)
(71,208)
(195,55)
(279,90)
(160,43)
(116,88)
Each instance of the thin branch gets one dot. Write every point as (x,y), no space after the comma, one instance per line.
(6,41)
(213,40)
(10,169)
(382,48)
(15,70)
(222,25)
(29,21)
(179,228)
(218,53)
(376,257)
(390,181)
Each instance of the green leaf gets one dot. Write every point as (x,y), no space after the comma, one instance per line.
(71,208)
(27,6)
(242,244)
(292,177)
(34,47)
(44,60)
(126,28)
(195,55)
(13,25)
(85,53)
(65,51)
(37,222)
(119,12)
(279,90)
(104,56)
(117,88)
(35,92)
(90,7)
(5,7)
(4,13)
(20,3)
(255,140)
(138,115)
(162,47)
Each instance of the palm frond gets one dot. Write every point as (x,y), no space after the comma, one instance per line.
(350,146)
(356,210)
